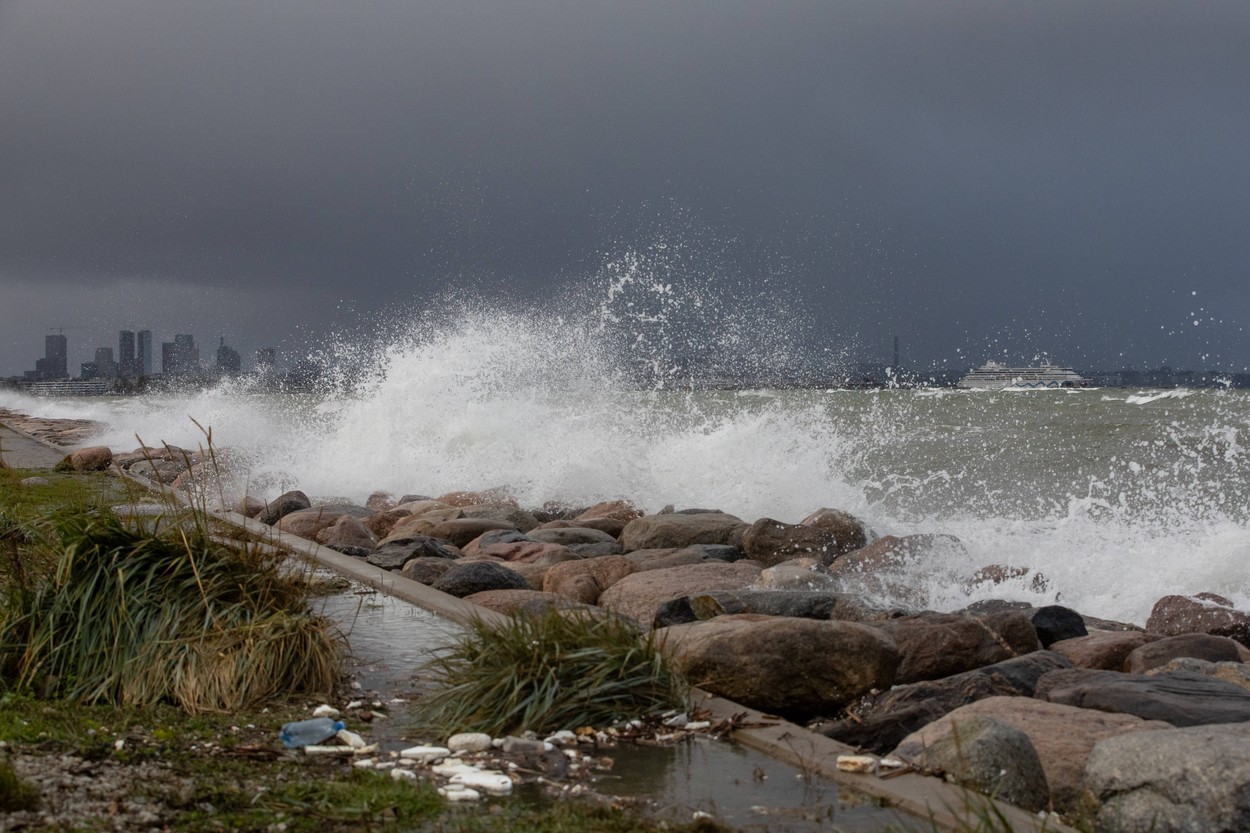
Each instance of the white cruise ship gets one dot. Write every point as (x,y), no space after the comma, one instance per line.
(995,376)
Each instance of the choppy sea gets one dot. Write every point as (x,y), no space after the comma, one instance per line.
(1115,496)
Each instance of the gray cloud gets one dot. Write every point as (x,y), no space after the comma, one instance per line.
(977,175)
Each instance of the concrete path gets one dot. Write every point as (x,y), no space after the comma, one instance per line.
(22,452)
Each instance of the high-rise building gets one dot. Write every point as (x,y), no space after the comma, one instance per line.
(169,359)
(188,353)
(266,360)
(228,359)
(143,358)
(106,368)
(53,364)
(126,367)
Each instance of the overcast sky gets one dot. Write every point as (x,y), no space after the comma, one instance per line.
(986,179)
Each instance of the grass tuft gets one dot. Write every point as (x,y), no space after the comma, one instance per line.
(141,611)
(548,672)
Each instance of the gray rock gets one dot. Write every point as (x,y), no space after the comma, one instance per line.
(1062,735)
(680,530)
(598,550)
(425,570)
(882,724)
(570,536)
(283,504)
(421,546)
(463,530)
(640,594)
(1054,623)
(805,605)
(1203,613)
(798,668)
(991,757)
(306,523)
(771,542)
(935,645)
(467,578)
(1193,645)
(1194,780)
(1181,698)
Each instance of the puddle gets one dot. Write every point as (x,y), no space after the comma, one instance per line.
(391,639)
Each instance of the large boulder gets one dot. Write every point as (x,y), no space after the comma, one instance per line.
(420,546)
(798,668)
(425,569)
(620,510)
(801,604)
(1182,698)
(935,645)
(585,580)
(1062,735)
(463,530)
(569,536)
(420,523)
(771,542)
(1192,645)
(891,552)
(659,559)
(1102,650)
(1055,623)
(676,530)
(1194,780)
(1203,613)
(849,530)
(990,756)
(283,505)
(497,495)
(796,574)
(466,578)
(509,602)
(348,535)
(640,594)
(882,722)
(306,523)
(92,458)
(612,526)
(506,513)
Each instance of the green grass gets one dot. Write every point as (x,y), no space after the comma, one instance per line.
(548,672)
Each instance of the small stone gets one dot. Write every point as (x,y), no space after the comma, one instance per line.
(469,742)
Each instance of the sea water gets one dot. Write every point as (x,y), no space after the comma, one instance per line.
(1101,499)
(1113,497)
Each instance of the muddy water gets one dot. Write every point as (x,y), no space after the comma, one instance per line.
(390,640)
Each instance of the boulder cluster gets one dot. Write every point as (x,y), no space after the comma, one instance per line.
(1139,728)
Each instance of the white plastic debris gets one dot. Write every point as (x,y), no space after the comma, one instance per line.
(403,775)
(355,704)
(677,721)
(350,738)
(449,769)
(562,738)
(697,725)
(425,754)
(459,794)
(494,783)
(857,763)
(365,763)
(325,710)
(329,751)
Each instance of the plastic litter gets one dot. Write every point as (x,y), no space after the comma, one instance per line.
(308,732)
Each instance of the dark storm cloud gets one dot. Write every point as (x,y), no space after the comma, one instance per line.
(1051,174)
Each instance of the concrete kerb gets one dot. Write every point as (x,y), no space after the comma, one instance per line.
(933,802)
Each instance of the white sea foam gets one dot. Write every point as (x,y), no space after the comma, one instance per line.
(1112,511)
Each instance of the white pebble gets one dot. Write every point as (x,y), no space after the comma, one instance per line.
(469,742)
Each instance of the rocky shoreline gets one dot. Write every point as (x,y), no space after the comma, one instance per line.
(1042,707)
